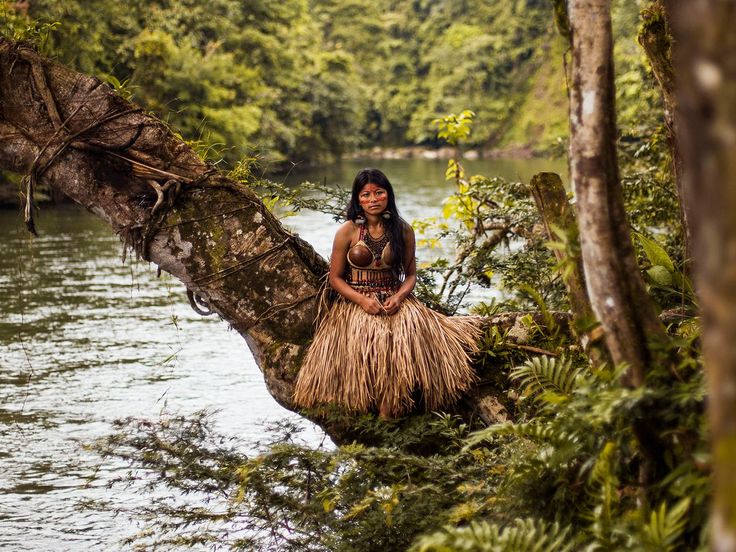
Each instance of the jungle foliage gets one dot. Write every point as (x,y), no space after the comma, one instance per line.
(311,80)
(564,476)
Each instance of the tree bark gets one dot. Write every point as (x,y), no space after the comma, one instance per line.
(556,211)
(705,62)
(656,40)
(554,208)
(615,286)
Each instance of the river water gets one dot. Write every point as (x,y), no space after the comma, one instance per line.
(86,339)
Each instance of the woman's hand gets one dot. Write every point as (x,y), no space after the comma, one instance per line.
(392,304)
(371,305)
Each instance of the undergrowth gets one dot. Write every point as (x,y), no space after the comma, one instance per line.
(565,475)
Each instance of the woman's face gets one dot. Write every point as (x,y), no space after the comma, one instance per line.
(373,199)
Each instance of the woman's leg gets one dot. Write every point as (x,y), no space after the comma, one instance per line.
(384,411)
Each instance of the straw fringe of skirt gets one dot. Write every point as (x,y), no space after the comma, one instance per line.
(360,361)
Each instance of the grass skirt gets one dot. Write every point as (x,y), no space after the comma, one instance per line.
(361,361)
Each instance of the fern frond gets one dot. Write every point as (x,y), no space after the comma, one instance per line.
(557,377)
(549,321)
(539,431)
(603,484)
(525,535)
(666,525)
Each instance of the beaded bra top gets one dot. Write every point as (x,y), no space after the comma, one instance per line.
(370,261)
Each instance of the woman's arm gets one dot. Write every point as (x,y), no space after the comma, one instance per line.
(392,304)
(338,260)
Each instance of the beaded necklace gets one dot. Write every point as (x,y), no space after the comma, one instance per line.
(374,245)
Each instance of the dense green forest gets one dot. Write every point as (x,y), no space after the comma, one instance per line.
(311,80)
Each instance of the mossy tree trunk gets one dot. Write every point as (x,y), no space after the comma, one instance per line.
(705,63)
(615,286)
(213,234)
(557,213)
(656,40)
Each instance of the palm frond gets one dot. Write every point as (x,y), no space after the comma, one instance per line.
(666,525)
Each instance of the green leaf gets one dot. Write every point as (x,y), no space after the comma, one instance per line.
(554,379)
(655,253)
(660,275)
(449,209)
(666,525)
(520,536)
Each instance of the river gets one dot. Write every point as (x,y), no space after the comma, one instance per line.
(86,339)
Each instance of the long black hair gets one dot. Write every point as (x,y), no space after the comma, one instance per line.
(394,225)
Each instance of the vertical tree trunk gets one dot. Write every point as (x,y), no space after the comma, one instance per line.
(615,285)
(656,40)
(705,62)
(556,211)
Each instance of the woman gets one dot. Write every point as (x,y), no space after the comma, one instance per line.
(377,343)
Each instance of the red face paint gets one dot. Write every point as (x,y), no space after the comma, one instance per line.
(373,199)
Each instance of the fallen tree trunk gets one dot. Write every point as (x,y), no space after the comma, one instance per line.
(127,167)
(173,209)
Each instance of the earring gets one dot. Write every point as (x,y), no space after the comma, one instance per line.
(360,220)
(386,215)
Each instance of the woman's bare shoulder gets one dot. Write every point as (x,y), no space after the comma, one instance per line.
(346,231)
(347,226)
(407,230)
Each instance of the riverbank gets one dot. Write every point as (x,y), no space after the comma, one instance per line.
(424,152)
